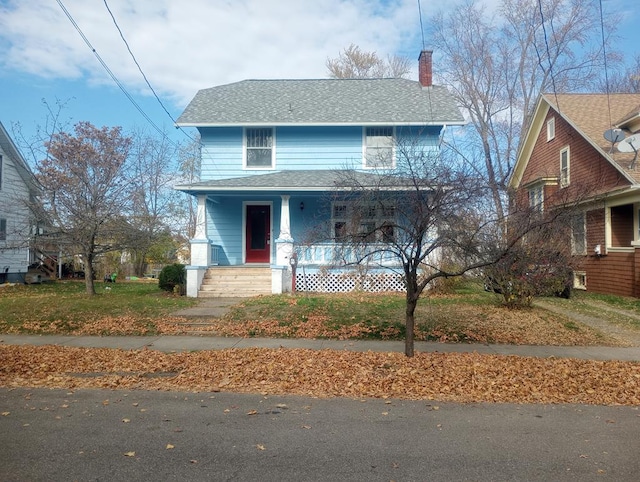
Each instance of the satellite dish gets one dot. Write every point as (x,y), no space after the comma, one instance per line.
(614,135)
(630,144)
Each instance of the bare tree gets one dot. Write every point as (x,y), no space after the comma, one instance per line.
(497,65)
(353,63)
(426,214)
(627,81)
(85,190)
(153,201)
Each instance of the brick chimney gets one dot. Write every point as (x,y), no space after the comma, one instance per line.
(425,72)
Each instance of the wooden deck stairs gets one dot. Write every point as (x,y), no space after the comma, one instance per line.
(235,281)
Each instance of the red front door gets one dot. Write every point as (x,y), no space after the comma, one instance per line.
(258,234)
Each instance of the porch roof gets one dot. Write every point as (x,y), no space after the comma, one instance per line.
(291,181)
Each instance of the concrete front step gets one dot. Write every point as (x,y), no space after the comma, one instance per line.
(236,281)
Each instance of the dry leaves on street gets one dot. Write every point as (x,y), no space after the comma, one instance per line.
(468,377)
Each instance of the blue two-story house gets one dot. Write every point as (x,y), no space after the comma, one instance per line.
(272,156)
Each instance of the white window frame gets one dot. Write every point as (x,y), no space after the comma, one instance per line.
(565,170)
(379,217)
(551,129)
(580,280)
(536,196)
(246,148)
(368,148)
(579,228)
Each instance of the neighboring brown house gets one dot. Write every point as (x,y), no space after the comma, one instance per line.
(565,155)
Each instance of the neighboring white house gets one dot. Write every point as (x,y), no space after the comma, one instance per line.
(17,189)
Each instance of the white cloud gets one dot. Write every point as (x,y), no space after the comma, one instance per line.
(185,45)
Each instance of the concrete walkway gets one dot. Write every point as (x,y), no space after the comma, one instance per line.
(168,343)
(218,307)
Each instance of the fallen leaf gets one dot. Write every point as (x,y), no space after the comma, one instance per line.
(126,420)
(261,447)
(4,414)
(129,454)
(252,412)
(169,446)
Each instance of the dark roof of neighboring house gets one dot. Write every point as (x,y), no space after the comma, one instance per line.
(322,102)
(305,180)
(10,149)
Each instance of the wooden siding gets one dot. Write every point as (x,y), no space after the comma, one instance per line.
(612,274)
(297,148)
(14,195)
(589,172)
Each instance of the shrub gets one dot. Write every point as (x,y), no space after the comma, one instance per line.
(172,276)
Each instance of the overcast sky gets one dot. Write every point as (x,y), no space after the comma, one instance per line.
(186,45)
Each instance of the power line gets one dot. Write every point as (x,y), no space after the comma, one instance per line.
(111,74)
(141,71)
(546,42)
(421,26)
(606,75)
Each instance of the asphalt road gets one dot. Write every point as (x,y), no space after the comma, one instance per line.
(57,435)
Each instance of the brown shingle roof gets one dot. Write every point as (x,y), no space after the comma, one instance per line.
(593,114)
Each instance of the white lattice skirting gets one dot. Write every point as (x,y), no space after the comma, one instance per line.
(344,282)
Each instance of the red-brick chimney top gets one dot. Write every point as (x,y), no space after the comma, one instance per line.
(425,68)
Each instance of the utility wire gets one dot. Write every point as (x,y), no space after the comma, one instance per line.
(546,42)
(606,74)
(111,74)
(141,71)
(421,26)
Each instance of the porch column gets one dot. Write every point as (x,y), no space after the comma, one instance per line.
(200,245)
(284,249)
(201,219)
(200,249)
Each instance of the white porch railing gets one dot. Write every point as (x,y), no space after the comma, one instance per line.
(328,254)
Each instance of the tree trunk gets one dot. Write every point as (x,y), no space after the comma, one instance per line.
(88,274)
(410,325)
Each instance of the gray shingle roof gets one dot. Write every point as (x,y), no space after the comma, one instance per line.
(305,180)
(321,102)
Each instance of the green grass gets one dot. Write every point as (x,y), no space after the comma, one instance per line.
(379,313)
(468,313)
(67,304)
(630,304)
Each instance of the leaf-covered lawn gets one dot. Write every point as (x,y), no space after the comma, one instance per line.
(142,309)
(455,377)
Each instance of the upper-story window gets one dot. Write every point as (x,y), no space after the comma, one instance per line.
(259,150)
(565,159)
(551,128)
(378,147)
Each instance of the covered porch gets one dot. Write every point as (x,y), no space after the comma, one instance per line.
(266,221)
